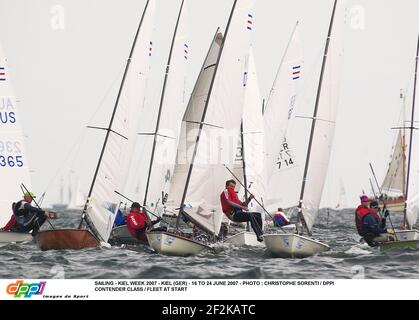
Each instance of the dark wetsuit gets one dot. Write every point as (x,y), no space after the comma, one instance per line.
(28,218)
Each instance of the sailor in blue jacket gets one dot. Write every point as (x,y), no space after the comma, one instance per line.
(373,227)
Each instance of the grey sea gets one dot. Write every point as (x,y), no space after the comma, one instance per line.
(347,259)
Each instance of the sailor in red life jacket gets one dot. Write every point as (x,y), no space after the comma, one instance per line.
(138,222)
(369,223)
(10,226)
(237,210)
(361,212)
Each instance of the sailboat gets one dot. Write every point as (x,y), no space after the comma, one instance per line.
(214,112)
(300,244)
(162,157)
(75,196)
(60,206)
(279,113)
(249,161)
(409,238)
(112,169)
(342,202)
(394,183)
(14,168)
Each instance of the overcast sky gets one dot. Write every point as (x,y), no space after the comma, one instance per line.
(66,59)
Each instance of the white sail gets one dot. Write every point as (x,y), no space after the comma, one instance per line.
(114,167)
(325,123)
(220,124)
(238,164)
(284,175)
(172,112)
(189,129)
(76,199)
(394,181)
(14,168)
(413,196)
(342,202)
(253,136)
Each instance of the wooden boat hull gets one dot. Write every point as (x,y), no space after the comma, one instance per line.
(73,239)
(171,244)
(14,237)
(121,235)
(293,245)
(245,238)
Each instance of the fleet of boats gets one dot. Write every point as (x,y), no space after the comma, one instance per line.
(190,156)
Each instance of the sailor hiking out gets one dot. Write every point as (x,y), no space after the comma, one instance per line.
(238,211)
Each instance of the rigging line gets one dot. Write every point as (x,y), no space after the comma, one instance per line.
(116,79)
(155,134)
(67,158)
(110,130)
(80,139)
(409,81)
(204,123)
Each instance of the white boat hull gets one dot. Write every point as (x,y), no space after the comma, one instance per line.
(174,245)
(245,238)
(14,237)
(407,235)
(293,245)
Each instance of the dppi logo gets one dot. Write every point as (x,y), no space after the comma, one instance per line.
(27,290)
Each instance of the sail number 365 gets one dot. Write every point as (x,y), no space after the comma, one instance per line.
(11,161)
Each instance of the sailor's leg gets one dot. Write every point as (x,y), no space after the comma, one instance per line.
(256,222)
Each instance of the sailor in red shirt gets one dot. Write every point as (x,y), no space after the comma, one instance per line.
(138,222)
(10,226)
(237,210)
(361,212)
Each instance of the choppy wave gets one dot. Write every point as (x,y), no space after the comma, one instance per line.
(347,259)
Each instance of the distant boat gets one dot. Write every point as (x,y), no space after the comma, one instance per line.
(394,183)
(114,161)
(60,206)
(301,244)
(342,200)
(14,168)
(215,106)
(76,198)
(408,238)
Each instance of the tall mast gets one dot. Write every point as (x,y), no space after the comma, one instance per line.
(109,128)
(314,120)
(201,126)
(412,128)
(156,132)
(403,137)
